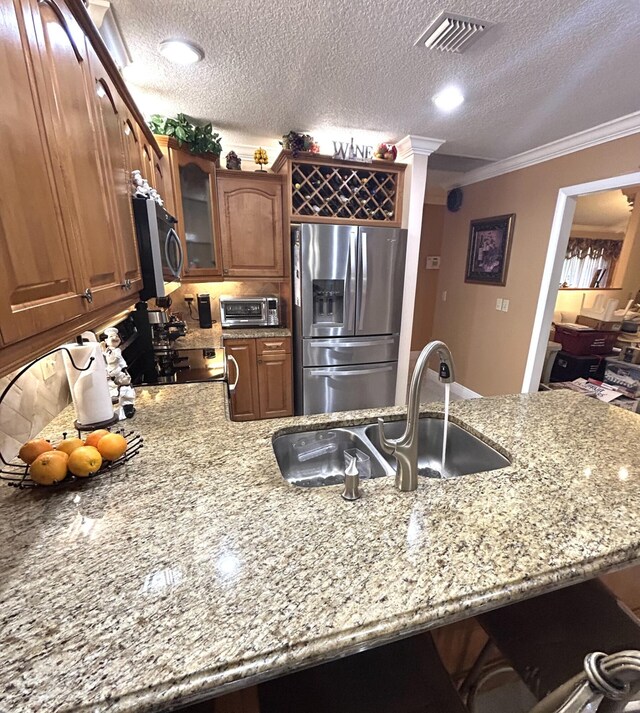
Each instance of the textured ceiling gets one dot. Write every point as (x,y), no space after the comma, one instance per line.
(549,68)
(607,210)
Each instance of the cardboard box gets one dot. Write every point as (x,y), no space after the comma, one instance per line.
(598,324)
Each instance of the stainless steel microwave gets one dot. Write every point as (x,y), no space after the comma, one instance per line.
(159,247)
(249,311)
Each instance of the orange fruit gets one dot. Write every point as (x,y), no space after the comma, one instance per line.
(62,454)
(49,468)
(112,446)
(94,437)
(84,461)
(32,449)
(69,445)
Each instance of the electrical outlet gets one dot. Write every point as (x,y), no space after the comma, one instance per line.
(505,305)
(499,304)
(188,298)
(444,296)
(48,368)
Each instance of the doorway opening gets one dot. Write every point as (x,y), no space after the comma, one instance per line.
(555,269)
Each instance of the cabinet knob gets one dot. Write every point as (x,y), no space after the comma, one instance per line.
(225,271)
(88,295)
(126,285)
(259,361)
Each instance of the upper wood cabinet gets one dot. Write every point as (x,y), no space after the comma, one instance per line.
(67,92)
(37,278)
(251,224)
(71,136)
(194,183)
(110,111)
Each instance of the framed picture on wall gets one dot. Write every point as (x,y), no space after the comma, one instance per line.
(489,247)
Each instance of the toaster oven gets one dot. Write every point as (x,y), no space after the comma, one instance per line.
(249,311)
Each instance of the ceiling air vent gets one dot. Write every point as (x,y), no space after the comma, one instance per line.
(452,33)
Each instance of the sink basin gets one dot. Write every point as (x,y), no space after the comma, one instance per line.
(316,458)
(465,453)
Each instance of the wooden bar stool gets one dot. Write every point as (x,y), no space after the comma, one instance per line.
(405,676)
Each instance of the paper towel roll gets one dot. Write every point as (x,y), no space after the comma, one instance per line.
(89,389)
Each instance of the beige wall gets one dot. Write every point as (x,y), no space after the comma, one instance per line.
(490,347)
(427,284)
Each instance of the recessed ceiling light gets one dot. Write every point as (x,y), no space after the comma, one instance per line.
(448,99)
(181,52)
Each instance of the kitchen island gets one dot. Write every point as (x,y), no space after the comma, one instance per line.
(199,570)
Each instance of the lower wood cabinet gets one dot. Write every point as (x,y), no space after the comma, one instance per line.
(264,388)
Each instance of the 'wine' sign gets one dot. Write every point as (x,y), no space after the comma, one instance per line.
(352,152)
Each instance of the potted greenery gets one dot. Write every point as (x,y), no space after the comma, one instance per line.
(199,139)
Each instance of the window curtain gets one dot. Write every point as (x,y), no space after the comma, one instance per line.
(585,256)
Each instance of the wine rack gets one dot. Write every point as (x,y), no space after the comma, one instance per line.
(325,190)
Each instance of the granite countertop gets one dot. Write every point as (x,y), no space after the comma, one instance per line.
(199,569)
(197,337)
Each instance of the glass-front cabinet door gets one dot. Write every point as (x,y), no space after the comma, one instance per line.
(197,223)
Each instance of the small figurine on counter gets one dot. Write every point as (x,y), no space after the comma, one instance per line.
(120,389)
(234,162)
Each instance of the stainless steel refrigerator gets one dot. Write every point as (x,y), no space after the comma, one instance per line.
(347,286)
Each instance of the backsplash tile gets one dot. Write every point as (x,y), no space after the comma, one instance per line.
(30,405)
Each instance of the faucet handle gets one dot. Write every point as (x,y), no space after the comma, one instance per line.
(388,446)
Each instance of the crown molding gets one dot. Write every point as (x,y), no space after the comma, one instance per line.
(417,145)
(611,130)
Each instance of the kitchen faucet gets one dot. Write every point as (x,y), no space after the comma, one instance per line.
(405,448)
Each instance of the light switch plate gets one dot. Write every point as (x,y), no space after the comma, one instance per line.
(499,304)
(433,262)
(505,305)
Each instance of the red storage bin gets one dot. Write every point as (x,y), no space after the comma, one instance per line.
(583,342)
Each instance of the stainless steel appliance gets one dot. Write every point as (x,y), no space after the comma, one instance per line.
(347,285)
(161,256)
(153,357)
(249,311)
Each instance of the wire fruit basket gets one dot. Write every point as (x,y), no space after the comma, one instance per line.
(16,473)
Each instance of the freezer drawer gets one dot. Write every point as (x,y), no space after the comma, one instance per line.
(343,388)
(349,350)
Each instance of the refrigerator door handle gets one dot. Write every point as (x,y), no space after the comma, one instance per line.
(352,372)
(342,344)
(363,277)
(350,280)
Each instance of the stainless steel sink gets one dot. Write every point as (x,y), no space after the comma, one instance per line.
(315,458)
(465,453)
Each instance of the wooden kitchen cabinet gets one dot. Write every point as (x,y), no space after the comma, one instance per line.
(71,135)
(67,96)
(245,401)
(114,151)
(265,388)
(193,198)
(251,224)
(38,265)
